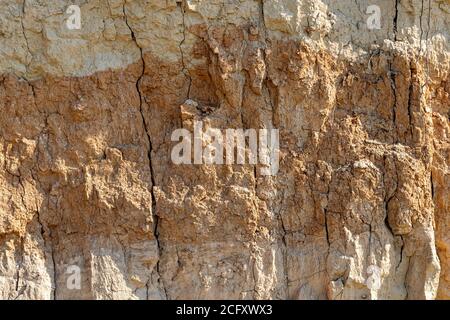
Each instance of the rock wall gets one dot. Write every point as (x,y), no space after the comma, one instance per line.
(87,180)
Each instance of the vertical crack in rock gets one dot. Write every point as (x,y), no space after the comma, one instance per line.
(255,180)
(184,70)
(426,47)
(432,185)
(325,212)
(285,257)
(392,77)
(22,194)
(42,230)
(370,238)
(149,153)
(147,288)
(421,25)
(326,226)
(255,280)
(327,234)
(266,92)
(17,279)
(412,76)
(387,197)
(262,17)
(36,209)
(283,239)
(25,36)
(406,277)
(392,73)
(401,253)
(387,200)
(396,20)
(19,266)
(55,274)
(429,20)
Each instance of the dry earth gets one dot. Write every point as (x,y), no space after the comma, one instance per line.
(86,178)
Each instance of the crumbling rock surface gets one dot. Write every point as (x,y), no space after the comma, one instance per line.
(86,178)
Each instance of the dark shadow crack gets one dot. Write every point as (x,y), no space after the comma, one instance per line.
(401,253)
(392,74)
(388,198)
(420,24)
(432,185)
(150,149)
(426,47)
(262,18)
(184,70)
(42,230)
(396,20)
(18,289)
(25,36)
(406,278)
(410,98)
(326,226)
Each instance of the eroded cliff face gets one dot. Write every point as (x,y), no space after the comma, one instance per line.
(86,175)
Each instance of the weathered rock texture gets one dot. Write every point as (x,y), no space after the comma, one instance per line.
(86,178)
